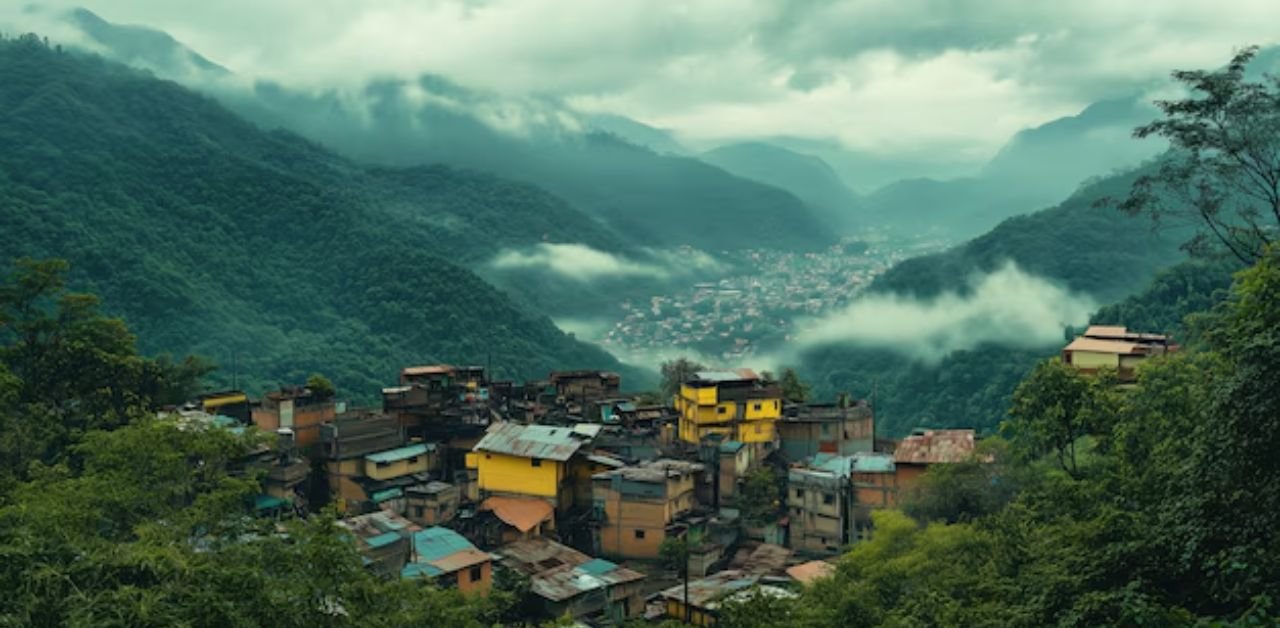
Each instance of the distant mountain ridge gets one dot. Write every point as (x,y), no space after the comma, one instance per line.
(646,197)
(213,237)
(810,178)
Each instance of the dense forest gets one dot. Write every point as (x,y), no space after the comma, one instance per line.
(262,251)
(110,516)
(1097,505)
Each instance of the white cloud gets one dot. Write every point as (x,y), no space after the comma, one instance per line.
(1007,307)
(575,261)
(888,77)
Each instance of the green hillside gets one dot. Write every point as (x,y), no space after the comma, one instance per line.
(651,198)
(1091,250)
(213,237)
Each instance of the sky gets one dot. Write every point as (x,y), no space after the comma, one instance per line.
(892,78)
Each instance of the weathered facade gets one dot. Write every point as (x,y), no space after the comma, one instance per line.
(820,504)
(635,507)
(531,460)
(296,409)
(574,584)
(809,429)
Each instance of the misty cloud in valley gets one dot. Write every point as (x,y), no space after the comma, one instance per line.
(1006,307)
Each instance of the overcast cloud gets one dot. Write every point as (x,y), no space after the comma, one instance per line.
(888,77)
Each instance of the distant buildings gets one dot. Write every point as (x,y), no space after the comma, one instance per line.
(925,448)
(297,409)
(396,547)
(809,429)
(706,596)
(1113,347)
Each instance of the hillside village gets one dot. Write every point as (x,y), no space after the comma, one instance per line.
(601,500)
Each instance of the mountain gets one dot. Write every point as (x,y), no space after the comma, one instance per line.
(809,178)
(264,250)
(1093,251)
(638,133)
(653,199)
(1035,169)
(144,47)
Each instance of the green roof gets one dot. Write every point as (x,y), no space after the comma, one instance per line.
(383,540)
(382,496)
(415,570)
(401,453)
(731,446)
(597,566)
(267,502)
(436,543)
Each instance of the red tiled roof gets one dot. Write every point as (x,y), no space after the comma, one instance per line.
(935,446)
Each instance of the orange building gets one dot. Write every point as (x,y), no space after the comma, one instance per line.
(297,409)
(637,505)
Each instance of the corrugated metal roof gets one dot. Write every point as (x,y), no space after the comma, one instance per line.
(537,441)
(731,446)
(432,369)
(420,570)
(399,453)
(1106,331)
(935,446)
(736,375)
(382,496)
(705,593)
(436,543)
(1097,345)
(558,573)
(873,463)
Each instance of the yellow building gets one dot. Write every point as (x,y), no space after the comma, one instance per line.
(531,460)
(735,404)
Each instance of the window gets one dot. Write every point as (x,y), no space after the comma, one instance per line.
(757,407)
(639,534)
(799,493)
(721,410)
(413,459)
(477,573)
(535,462)
(383,465)
(417,511)
(828,498)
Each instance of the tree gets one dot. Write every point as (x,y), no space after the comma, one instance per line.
(1223,175)
(793,389)
(758,500)
(676,372)
(1053,409)
(320,386)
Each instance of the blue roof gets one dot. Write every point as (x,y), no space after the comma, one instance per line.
(267,502)
(382,496)
(401,453)
(873,463)
(414,570)
(596,566)
(383,540)
(437,542)
(731,445)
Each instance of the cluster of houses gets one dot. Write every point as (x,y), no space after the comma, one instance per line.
(580,487)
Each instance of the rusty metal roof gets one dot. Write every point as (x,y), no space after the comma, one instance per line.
(935,446)
(707,592)
(558,573)
(810,571)
(547,442)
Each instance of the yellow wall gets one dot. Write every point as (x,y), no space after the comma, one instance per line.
(1092,360)
(501,473)
(698,617)
(217,402)
(342,485)
(396,469)
(769,409)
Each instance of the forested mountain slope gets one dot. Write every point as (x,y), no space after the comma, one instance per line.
(651,198)
(213,237)
(810,178)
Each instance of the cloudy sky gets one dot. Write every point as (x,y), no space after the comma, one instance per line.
(888,77)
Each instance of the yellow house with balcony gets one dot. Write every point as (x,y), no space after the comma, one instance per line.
(736,404)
